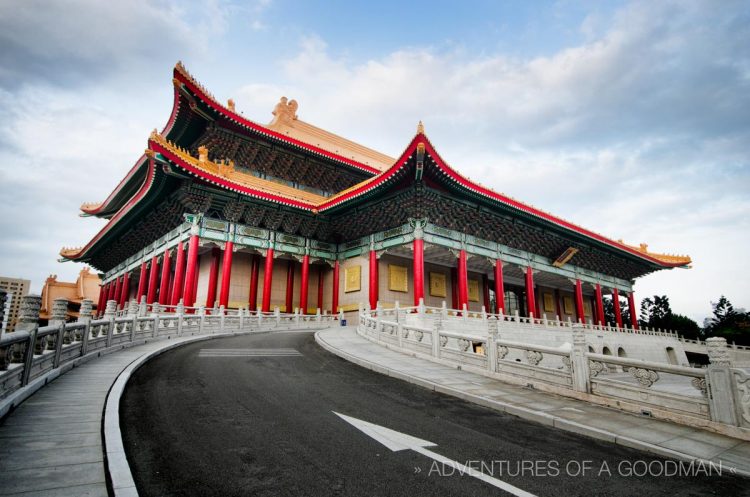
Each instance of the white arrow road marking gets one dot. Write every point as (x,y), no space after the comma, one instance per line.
(397,441)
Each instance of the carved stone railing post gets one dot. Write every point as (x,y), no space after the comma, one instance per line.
(378,326)
(296,317)
(260,317)
(277,315)
(491,351)
(464,312)
(142,307)
(444,310)
(579,363)
(318,317)
(180,310)
(721,390)
(28,320)
(222,314)
(109,314)
(133,315)
(57,318)
(241,313)
(436,329)
(84,316)
(420,307)
(202,317)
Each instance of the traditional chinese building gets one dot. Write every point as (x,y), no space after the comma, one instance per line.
(223,210)
(86,286)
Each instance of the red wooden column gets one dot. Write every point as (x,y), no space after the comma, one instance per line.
(530,297)
(599,305)
(454,288)
(418,270)
(171,287)
(142,281)
(213,278)
(254,270)
(616,305)
(463,281)
(118,290)
(102,299)
(633,312)
(320,287)
(373,279)
(499,287)
(191,276)
(579,302)
(304,283)
(335,296)
(166,268)
(153,276)
(265,305)
(125,293)
(178,284)
(289,300)
(226,273)
(110,291)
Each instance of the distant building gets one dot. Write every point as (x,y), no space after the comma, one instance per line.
(16,288)
(86,286)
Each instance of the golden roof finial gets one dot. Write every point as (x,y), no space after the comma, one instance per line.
(202,153)
(420,128)
(285,111)
(230,104)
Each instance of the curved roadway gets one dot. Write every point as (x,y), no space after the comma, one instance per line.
(255,415)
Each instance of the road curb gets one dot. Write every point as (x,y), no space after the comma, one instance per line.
(521,412)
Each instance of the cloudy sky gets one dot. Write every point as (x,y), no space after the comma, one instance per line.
(629,118)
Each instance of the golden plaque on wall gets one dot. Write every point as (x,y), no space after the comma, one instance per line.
(473,290)
(586,308)
(568,305)
(549,302)
(398,278)
(437,285)
(352,277)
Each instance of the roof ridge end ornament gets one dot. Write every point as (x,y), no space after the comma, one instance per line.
(285,112)
(420,128)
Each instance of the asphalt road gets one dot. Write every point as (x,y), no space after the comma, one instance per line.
(198,424)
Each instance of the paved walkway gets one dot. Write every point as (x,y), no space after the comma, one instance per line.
(658,437)
(51,445)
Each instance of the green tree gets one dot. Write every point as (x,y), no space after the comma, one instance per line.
(609,312)
(657,313)
(732,324)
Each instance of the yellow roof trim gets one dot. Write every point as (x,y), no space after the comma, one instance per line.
(667,258)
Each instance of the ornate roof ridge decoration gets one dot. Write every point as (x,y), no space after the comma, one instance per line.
(669,258)
(238,118)
(70,251)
